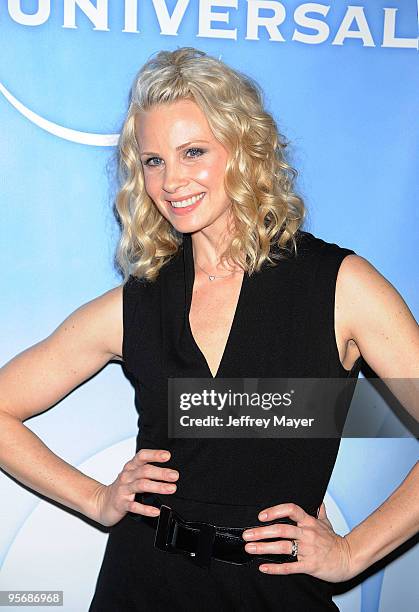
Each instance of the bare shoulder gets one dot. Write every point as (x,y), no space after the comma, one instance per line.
(373,314)
(360,283)
(105,315)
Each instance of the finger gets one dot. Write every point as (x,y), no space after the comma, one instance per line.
(156,473)
(151,454)
(144,455)
(143,509)
(296,513)
(281,547)
(322,512)
(142,485)
(147,471)
(278,530)
(297,567)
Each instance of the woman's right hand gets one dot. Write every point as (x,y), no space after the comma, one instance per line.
(138,476)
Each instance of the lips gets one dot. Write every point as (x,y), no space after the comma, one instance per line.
(190,201)
(180,208)
(193,195)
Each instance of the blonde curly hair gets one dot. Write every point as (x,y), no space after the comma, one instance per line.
(258,180)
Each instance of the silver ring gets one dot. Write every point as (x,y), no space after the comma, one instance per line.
(294,549)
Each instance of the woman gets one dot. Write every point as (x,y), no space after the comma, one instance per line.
(219,281)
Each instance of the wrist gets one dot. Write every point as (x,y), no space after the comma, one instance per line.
(358,558)
(90,506)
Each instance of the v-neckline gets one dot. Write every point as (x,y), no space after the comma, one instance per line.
(190,281)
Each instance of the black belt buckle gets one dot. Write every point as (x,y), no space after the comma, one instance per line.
(205,543)
(166,535)
(161,539)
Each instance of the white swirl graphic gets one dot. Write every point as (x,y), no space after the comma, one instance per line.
(87,138)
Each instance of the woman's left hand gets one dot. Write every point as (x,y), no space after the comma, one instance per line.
(321,552)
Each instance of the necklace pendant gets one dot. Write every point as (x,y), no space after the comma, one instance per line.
(211,277)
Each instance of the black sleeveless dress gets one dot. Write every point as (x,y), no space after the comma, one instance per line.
(283,327)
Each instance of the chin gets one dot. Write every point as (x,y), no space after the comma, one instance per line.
(187,225)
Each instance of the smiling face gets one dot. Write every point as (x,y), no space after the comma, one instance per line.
(183,166)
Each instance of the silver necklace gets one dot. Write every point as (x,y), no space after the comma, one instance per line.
(213,276)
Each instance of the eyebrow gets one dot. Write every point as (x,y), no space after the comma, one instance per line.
(182,146)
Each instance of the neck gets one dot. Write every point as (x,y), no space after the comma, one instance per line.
(207,249)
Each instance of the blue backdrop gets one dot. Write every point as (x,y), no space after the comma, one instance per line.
(342,83)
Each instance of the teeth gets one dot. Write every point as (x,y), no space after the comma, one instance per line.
(188,202)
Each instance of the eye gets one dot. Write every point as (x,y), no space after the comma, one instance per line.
(150,159)
(197,150)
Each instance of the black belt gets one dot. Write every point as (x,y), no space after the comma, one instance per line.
(204,541)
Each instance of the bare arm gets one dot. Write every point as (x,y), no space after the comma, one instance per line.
(394,522)
(38,378)
(387,335)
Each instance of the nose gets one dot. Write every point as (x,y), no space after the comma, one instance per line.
(173,178)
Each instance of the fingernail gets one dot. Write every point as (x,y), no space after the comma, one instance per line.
(263,568)
(248,534)
(164,455)
(170,488)
(263,516)
(173,475)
